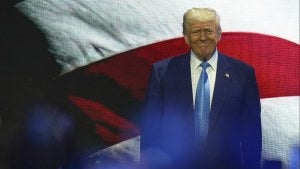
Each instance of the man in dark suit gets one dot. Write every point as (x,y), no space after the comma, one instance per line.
(177,132)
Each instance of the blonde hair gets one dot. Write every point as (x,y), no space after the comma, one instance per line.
(202,15)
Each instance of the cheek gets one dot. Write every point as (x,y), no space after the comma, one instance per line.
(214,42)
(194,40)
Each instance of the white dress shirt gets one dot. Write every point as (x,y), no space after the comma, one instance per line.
(196,71)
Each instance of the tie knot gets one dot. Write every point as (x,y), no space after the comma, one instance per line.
(204,65)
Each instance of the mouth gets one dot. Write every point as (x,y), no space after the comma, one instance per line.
(203,44)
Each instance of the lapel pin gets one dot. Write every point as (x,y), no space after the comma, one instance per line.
(227,75)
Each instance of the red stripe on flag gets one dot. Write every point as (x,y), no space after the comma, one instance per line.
(276,61)
(131,69)
(111,127)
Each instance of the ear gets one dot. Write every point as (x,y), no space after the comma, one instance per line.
(219,36)
(219,33)
(186,39)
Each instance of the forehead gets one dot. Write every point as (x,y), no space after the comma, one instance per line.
(200,24)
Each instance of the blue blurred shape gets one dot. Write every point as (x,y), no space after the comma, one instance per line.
(294,158)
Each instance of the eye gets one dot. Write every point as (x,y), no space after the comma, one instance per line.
(208,30)
(196,31)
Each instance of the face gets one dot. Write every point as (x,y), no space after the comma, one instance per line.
(202,37)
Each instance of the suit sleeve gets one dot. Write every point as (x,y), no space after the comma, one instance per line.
(251,144)
(150,133)
(151,111)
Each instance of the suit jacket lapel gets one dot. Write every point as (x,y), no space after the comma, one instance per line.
(222,84)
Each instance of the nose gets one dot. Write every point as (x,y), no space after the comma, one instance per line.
(202,36)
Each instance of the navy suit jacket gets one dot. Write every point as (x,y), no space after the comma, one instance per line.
(234,134)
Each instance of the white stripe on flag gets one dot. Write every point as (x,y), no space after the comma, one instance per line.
(82,32)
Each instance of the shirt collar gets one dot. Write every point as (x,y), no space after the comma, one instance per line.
(195,62)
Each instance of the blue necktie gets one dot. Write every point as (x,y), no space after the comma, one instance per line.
(202,107)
